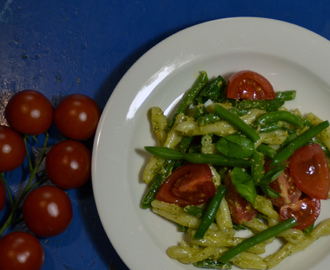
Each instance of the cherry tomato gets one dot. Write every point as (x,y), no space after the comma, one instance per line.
(248,84)
(285,186)
(77,116)
(29,112)
(190,184)
(47,211)
(241,210)
(21,250)
(68,164)
(3,196)
(305,211)
(310,171)
(12,149)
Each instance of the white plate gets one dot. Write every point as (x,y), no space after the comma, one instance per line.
(289,56)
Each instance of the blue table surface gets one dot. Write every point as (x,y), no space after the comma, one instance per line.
(62,47)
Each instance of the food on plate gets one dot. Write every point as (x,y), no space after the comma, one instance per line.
(237,171)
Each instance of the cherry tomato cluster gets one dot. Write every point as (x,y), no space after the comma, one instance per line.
(45,208)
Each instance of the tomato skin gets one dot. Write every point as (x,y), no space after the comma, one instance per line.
(190,184)
(18,245)
(247,84)
(12,149)
(310,171)
(3,196)
(68,164)
(29,112)
(47,211)
(286,187)
(77,116)
(241,210)
(305,211)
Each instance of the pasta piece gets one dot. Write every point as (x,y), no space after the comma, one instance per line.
(325,134)
(187,254)
(265,206)
(176,214)
(322,229)
(249,261)
(152,168)
(159,124)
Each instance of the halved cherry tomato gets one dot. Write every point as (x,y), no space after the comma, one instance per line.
(241,210)
(29,112)
(190,184)
(310,171)
(305,211)
(248,84)
(286,187)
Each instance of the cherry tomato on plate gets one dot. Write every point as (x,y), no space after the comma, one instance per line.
(305,211)
(190,184)
(21,250)
(241,210)
(77,116)
(310,171)
(29,112)
(286,187)
(47,211)
(247,84)
(12,149)
(68,164)
(3,196)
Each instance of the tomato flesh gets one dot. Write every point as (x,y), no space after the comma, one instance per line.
(310,171)
(241,210)
(190,184)
(21,250)
(305,211)
(29,112)
(286,187)
(248,84)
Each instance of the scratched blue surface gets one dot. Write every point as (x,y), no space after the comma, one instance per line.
(61,47)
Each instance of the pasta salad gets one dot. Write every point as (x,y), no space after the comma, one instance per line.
(232,158)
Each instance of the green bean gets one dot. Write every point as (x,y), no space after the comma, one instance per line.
(280,116)
(211,264)
(236,122)
(213,91)
(210,212)
(267,150)
(298,142)
(267,105)
(207,119)
(199,111)
(271,127)
(193,210)
(214,159)
(257,166)
(190,96)
(157,182)
(164,152)
(286,95)
(257,239)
